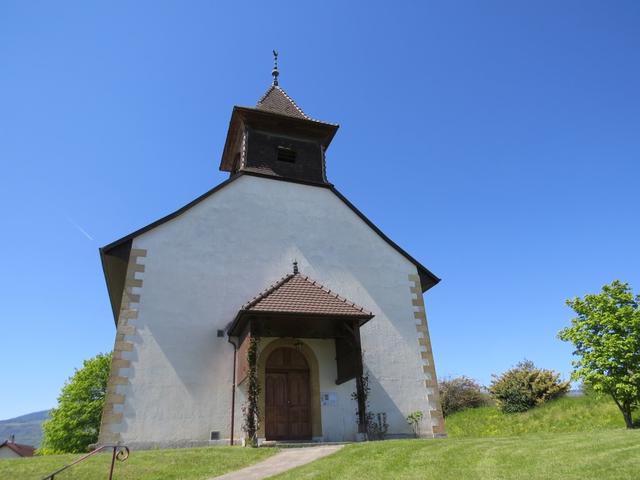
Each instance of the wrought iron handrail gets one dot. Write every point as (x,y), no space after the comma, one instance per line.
(120,453)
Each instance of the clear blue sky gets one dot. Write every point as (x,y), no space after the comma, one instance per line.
(498,142)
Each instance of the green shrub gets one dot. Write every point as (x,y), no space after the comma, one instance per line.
(414,420)
(525,386)
(460,393)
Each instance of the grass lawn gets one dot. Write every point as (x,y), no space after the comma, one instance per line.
(569,438)
(567,414)
(610,454)
(178,464)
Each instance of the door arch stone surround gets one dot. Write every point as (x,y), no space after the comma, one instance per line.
(314,380)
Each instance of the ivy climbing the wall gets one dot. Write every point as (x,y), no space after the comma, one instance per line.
(375,423)
(250,408)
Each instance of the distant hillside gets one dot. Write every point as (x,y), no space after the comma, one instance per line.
(27,428)
(567,414)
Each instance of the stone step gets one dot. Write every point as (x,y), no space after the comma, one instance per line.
(301,444)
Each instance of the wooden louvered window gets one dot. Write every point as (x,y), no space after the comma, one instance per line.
(286,155)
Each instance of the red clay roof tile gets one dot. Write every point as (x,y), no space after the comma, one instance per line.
(297,293)
(276,100)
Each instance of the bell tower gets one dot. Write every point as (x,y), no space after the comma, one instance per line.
(276,138)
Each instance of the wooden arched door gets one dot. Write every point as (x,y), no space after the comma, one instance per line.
(287,396)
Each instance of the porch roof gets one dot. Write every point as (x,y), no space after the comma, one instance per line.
(296,295)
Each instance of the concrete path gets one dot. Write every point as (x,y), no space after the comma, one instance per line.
(284,460)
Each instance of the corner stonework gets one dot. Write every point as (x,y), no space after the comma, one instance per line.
(112,414)
(428,366)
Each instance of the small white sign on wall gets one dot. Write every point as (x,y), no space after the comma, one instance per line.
(329,399)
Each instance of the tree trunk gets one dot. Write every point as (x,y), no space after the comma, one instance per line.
(625,408)
(626,413)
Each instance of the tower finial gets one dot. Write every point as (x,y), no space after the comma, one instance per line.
(295,267)
(275,71)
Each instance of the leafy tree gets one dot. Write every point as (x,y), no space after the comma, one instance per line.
(525,386)
(460,393)
(606,336)
(74,424)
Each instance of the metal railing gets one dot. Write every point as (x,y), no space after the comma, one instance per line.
(120,453)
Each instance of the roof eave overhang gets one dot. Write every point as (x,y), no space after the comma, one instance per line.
(114,266)
(238,326)
(108,284)
(427,278)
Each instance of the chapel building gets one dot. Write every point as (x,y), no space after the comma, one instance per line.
(276,257)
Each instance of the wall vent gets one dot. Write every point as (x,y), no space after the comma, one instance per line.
(215,436)
(220,333)
(286,155)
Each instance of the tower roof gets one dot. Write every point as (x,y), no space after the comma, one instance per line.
(276,100)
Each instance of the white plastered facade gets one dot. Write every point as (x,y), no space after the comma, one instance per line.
(203,265)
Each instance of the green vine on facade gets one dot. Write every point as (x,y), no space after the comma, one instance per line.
(250,409)
(362,398)
(375,424)
(414,420)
